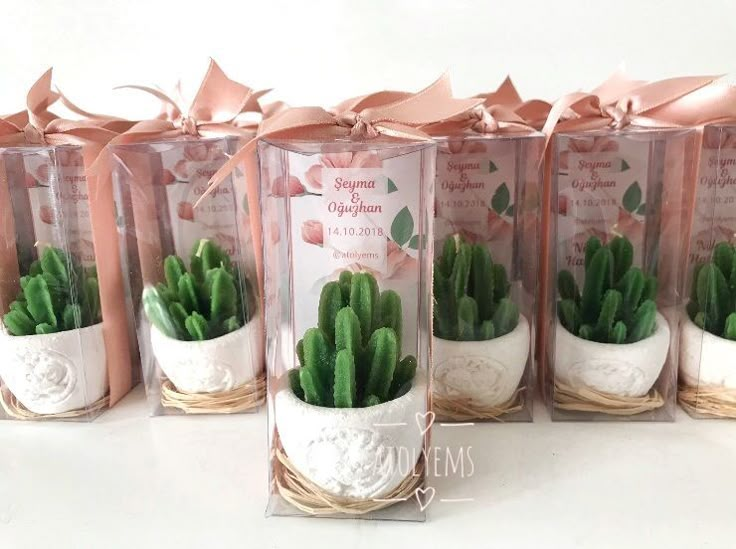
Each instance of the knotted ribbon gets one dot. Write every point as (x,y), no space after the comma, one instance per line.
(38,126)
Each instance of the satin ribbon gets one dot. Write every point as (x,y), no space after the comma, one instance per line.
(674,102)
(214,112)
(363,118)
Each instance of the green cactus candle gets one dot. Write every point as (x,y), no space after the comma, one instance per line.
(57,294)
(352,358)
(712,304)
(617,304)
(471,294)
(203,303)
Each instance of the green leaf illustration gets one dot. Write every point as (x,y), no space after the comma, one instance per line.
(632,197)
(392,188)
(402,227)
(510,211)
(624,165)
(642,210)
(501,199)
(492,167)
(414,242)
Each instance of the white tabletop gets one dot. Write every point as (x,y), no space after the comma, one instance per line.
(127,480)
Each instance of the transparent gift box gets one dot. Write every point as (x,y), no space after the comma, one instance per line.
(707,382)
(64,336)
(612,285)
(486,231)
(192,279)
(347,230)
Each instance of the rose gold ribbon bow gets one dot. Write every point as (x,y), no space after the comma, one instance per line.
(38,126)
(495,115)
(215,111)
(674,102)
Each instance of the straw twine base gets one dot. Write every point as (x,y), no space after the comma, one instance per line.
(585,399)
(16,410)
(242,399)
(716,402)
(313,500)
(463,409)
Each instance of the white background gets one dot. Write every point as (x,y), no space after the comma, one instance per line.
(130,481)
(322,51)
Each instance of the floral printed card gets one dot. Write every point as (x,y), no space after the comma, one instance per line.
(475,190)
(602,185)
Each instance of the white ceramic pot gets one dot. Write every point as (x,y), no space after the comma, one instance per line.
(706,359)
(55,373)
(487,372)
(626,369)
(358,453)
(213,365)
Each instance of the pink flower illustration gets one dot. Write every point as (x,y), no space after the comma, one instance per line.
(312,232)
(361,159)
(185,211)
(280,188)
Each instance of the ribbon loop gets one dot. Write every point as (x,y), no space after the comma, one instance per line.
(33,135)
(360,128)
(482,121)
(189,126)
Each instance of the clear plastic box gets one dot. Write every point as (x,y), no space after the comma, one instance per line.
(347,228)
(64,338)
(486,232)
(613,278)
(707,382)
(192,278)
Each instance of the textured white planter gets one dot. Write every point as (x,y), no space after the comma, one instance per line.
(55,373)
(487,372)
(359,453)
(706,359)
(628,369)
(214,365)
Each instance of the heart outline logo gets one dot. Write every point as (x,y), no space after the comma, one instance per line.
(422,423)
(424,496)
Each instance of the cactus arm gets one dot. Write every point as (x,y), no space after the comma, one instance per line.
(178,315)
(729,332)
(391,315)
(345,393)
(188,294)
(596,283)
(318,356)
(157,312)
(569,314)
(345,280)
(45,328)
(347,331)
(467,318)
(699,320)
(447,259)
(295,383)
(383,353)
(486,331)
(361,301)
(406,369)
(173,270)
(567,286)
(19,323)
(714,297)
(591,247)
(631,287)
(586,332)
(196,267)
(644,322)
(623,256)
(481,281)
(371,400)
(732,280)
(314,392)
(224,296)
(445,309)
(461,271)
(330,304)
(39,301)
(650,289)
(723,258)
(72,317)
(501,285)
(92,300)
(300,352)
(197,326)
(609,311)
(506,317)
(53,262)
(35,268)
(618,333)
